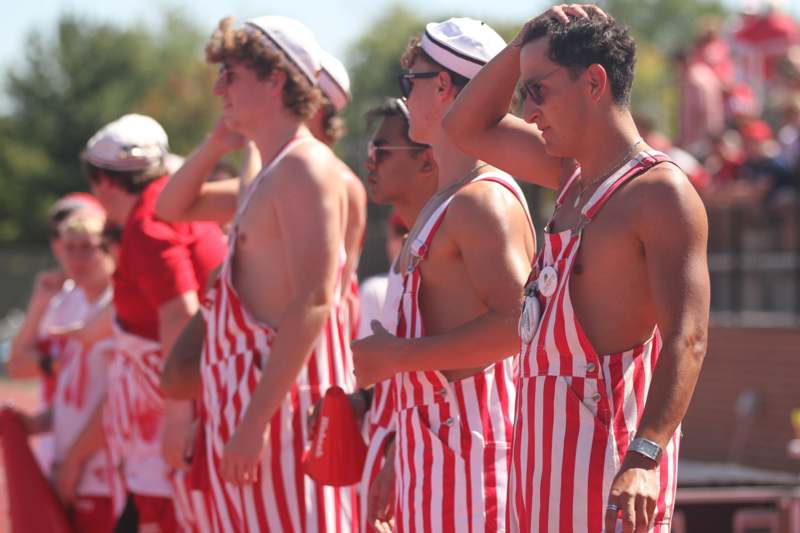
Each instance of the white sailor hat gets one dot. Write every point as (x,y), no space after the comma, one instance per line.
(463,45)
(130,143)
(334,81)
(294,39)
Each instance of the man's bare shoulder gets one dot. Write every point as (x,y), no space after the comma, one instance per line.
(481,206)
(663,197)
(309,166)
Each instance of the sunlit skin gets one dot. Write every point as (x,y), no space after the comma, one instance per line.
(473,274)
(626,261)
(286,259)
(403,178)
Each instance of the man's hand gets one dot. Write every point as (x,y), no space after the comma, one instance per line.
(560,13)
(226,140)
(65,479)
(242,455)
(380,501)
(47,285)
(177,443)
(375,357)
(633,496)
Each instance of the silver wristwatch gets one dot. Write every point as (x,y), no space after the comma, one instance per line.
(647,448)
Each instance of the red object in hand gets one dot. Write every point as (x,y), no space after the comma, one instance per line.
(337,452)
(32,502)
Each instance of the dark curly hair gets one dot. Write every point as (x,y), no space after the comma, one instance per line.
(587,41)
(251,49)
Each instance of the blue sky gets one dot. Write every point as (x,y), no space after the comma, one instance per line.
(335,22)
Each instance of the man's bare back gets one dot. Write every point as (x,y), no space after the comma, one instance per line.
(260,272)
(448,297)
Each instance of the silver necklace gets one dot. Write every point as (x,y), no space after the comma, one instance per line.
(604,175)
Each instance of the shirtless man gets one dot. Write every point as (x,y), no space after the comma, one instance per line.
(463,268)
(160,269)
(327,126)
(273,331)
(622,281)
(402,173)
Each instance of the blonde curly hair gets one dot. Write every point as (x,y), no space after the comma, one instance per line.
(251,48)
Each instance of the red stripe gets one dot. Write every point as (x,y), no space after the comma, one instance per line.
(570,449)
(427,471)
(548,407)
(449,511)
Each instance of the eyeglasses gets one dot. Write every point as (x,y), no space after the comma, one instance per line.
(533,88)
(406,80)
(373,149)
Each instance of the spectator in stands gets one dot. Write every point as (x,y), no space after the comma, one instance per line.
(702,111)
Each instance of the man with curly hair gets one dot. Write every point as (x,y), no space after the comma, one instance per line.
(605,377)
(272,323)
(328,126)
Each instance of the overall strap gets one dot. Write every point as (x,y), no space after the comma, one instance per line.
(575,175)
(640,163)
(294,141)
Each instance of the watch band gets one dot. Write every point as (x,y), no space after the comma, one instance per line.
(647,448)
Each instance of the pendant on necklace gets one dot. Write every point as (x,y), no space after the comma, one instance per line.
(577,200)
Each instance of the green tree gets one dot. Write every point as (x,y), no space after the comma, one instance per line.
(72,83)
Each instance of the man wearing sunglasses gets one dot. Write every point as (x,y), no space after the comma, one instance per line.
(273,321)
(606,376)
(402,173)
(462,270)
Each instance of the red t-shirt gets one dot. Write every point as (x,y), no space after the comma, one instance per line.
(159,261)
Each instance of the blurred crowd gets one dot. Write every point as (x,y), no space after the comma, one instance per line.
(738,131)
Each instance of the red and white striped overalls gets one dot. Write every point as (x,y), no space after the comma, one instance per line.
(453,438)
(380,419)
(578,410)
(236,348)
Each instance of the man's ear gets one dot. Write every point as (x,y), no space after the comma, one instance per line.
(276,80)
(597,79)
(427,164)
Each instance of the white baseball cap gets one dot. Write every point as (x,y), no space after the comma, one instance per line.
(334,81)
(294,39)
(463,45)
(130,143)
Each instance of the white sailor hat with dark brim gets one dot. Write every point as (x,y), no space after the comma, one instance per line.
(292,38)
(462,45)
(132,143)
(334,81)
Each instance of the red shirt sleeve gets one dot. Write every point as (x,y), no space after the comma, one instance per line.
(163,263)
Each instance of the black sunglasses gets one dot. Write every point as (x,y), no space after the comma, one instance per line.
(406,80)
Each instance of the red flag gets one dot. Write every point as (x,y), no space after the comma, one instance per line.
(337,452)
(33,503)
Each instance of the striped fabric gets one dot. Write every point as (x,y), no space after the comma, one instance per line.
(235,351)
(133,415)
(453,438)
(192,507)
(577,410)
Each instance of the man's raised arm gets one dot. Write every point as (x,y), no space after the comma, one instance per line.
(188,196)
(479,123)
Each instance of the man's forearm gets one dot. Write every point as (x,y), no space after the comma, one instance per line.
(484,340)
(184,186)
(487,97)
(672,387)
(301,327)
(91,438)
(180,378)
(23,361)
